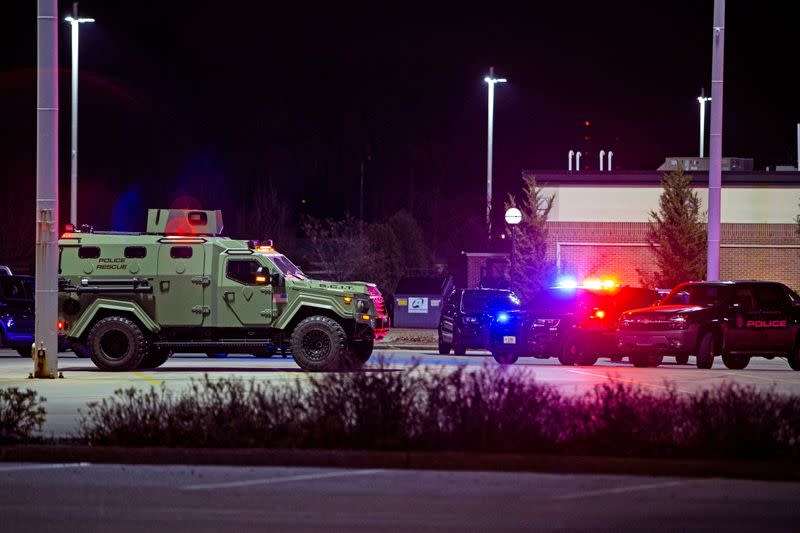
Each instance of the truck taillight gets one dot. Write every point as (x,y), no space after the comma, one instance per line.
(599,313)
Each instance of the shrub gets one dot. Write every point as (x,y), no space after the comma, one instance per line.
(490,409)
(21,413)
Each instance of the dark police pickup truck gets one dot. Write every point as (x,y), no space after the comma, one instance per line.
(736,320)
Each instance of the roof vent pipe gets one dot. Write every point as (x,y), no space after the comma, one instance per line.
(571,153)
(610,155)
(602,155)
(577,161)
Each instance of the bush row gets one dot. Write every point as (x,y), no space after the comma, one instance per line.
(491,409)
(21,413)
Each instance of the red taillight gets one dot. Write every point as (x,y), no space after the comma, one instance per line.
(599,313)
(61,325)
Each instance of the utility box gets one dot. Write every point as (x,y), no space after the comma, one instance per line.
(418,301)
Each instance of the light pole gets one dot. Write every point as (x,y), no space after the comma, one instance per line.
(715,141)
(75,23)
(491,81)
(513,218)
(702,99)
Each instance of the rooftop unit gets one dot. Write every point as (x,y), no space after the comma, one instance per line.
(742,164)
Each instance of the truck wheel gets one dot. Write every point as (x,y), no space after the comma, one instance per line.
(646,360)
(444,348)
(359,353)
(505,358)
(116,343)
(459,348)
(319,344)
(794,358)
(707,350)
(574,352)
(682,359)
(155,358)
(735,362)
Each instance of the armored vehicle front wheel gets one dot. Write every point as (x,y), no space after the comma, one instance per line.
(155,357)
(319,343)
(116,343)
(360,352)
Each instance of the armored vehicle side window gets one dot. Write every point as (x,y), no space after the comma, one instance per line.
(198,218)
(135,252)
(88,252)
(180,252)
(242,270)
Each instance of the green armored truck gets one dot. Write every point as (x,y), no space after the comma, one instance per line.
(131,300)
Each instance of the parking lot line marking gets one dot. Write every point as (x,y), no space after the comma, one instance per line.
(45,466)
(148,378)
(618,490)
(273,480)
(617,378)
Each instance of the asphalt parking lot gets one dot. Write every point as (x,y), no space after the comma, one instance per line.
(83,382)
(86,497)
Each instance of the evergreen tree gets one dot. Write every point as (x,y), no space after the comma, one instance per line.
(677,234)
(530,269)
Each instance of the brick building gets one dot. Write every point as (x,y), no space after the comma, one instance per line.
(598,224)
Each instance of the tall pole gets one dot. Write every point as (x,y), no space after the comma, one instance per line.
(45,351)
(702,99)
(75,24)
(491,81)
(73,183)
(715,166)
(361,197)
(489,135)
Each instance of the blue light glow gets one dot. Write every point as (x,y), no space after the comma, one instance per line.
(502,317)
(567,282)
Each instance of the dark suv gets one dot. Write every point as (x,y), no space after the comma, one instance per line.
(736,320)
(574,324)
(466,316)
(16,313)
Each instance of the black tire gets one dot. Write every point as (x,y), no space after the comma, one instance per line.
(117,343)
(682,359)
(505,358)
(575,352)
(794,357)
(155,358)
(360,352)
(216,355)
(459,348)
(706,350)
(319,344)
(25,352)
(444,348)
(646,360)
(735,362)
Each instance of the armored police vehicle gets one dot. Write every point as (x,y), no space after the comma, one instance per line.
(735,320)
(130,300)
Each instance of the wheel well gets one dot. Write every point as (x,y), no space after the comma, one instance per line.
(307,311)
(105,313)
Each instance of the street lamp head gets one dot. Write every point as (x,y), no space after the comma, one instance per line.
(513,216)
(487,79)
(703,99)
(74,20)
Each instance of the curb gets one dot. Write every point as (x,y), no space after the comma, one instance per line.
(381,346)
(464,461)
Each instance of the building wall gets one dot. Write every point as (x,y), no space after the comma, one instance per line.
(618,249)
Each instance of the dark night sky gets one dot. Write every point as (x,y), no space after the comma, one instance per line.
(203,100)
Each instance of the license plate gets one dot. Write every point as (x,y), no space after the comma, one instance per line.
(509,340)
(644,341)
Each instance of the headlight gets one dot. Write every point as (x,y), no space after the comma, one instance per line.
(362,306)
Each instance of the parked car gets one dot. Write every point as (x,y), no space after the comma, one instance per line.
(17,317)
(735,320)
(467,313)
(575,324)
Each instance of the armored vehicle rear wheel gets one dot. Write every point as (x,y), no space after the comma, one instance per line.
(735,362)
(319,344)
(682,359)
(116,343)
(155,357)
